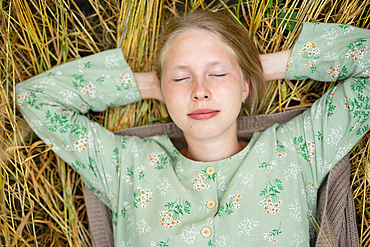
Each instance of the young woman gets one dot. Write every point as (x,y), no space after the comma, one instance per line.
(217,191)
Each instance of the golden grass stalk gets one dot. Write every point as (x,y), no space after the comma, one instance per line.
(41,198)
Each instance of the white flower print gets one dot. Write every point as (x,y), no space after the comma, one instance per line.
(81,66)
(90,90)
(100,145)
(289,145)
(343,150)
(97,185)
(36,125)
(244,152)
(310,192)
(363,64)
(142,197)
(287,126)
(188,234)
(292,171)
(322,165)
(247,179)
(270,131)
(316,110)
(84,107)
(90,139)
(330,35)
(347,29)
(210,220)
(246,226)
(335,136)
(106,178)
(307,123)
(295,210)
(112,61)
(48,80)
(203,205)
(136,150)
(93,127)
(298,238)
(163,185)
(221,183)
(221,240)
(331,56)
(50,142)
(132,96)
(127,243)
(258,148)
(179,169)
(67,96)
(142,227)
(130,223)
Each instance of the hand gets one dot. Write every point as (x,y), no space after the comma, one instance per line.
(149,85)
(274,64)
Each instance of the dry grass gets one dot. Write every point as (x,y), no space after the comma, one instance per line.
(41,198)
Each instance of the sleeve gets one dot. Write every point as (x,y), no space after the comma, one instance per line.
(326,132)
(53,104)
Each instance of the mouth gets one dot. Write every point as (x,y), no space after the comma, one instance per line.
(203,114)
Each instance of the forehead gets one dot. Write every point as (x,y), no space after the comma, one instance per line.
(196,47)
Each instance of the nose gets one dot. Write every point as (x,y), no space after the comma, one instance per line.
(201,90)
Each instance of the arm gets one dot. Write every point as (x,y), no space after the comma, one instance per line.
(53,103)
(338,120)
(275,64)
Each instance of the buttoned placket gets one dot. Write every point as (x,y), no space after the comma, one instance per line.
(207,230)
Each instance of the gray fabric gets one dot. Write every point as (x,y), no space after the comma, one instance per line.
(336,210)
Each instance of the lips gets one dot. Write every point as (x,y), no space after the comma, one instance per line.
(203,114)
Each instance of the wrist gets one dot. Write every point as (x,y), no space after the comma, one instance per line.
(148,85)
(275,64)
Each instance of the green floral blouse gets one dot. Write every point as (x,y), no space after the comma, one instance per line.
(263,196)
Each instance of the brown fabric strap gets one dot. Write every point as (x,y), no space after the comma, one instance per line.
(335,214)
(100,221)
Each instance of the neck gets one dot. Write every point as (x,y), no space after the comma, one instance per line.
(218,148)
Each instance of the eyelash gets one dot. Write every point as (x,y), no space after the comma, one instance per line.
(218,75)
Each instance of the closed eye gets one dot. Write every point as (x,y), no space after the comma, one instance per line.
(180,79)
(219,75)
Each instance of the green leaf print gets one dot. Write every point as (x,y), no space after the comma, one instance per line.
(359,85)
(227,207)
(300,77)
(23,100)
(77,166)
(319,136)
(78,131)
(272,190)
(301,147)
(160,244)
(271,236)
(178,208)
(158,160)
(362,131)
(267,166)
(92,166)
(78,81)
(210,243)
(171,217)
(58,121)
(126,210)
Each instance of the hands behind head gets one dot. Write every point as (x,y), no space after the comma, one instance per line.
(149,85)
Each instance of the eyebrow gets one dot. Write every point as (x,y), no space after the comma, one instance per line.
(212,63)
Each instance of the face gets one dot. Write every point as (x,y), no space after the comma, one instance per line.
(203,86)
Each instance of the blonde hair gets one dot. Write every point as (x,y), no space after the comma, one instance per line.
(229,32)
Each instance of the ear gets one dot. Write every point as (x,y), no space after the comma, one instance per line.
(246,85)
